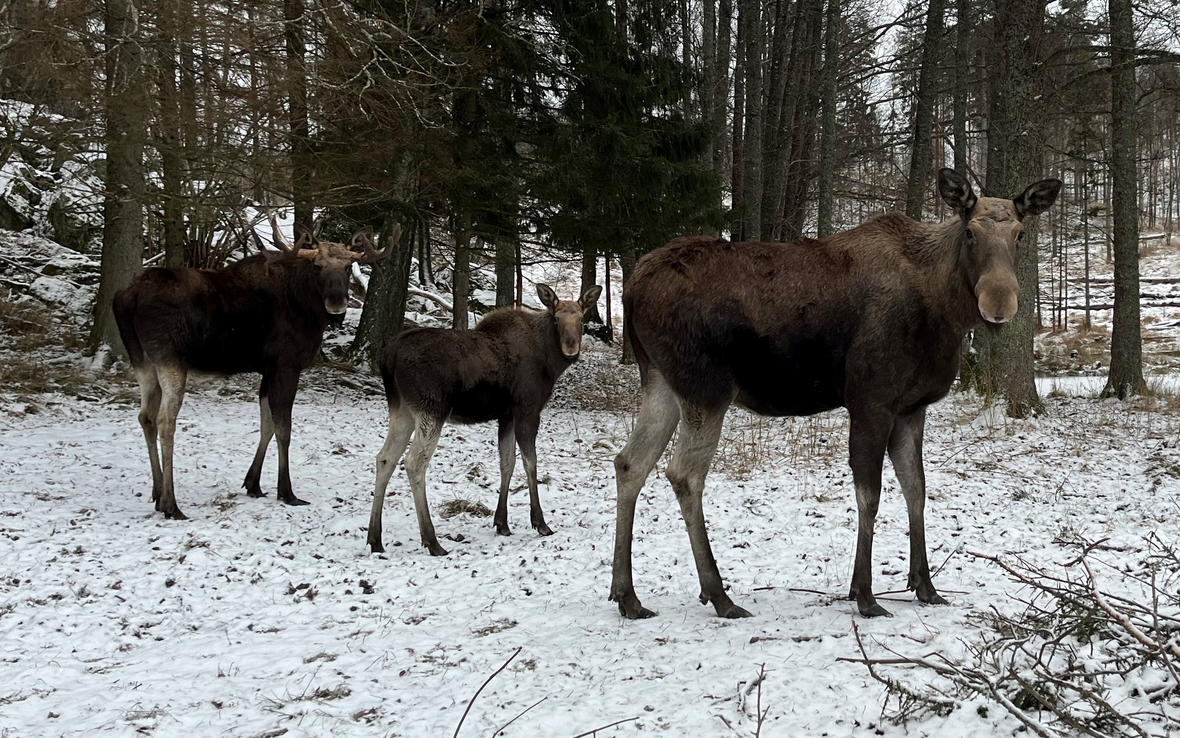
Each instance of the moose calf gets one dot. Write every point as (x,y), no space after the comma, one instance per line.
(503,370)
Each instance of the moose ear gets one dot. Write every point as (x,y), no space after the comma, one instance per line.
(589,297)
(547,295)
(1037,197)
(956,192)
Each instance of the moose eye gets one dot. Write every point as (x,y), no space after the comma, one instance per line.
(1020,236)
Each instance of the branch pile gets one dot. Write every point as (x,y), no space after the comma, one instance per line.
(1083,654)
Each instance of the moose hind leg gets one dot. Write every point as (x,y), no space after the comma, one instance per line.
(658,416)
(507,466)
(149,411)
(266,431)
(172,384)
(700,431)
(401,425)
(417,460)
(905,451)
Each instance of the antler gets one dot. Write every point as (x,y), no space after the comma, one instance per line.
(285,246)
(372,255)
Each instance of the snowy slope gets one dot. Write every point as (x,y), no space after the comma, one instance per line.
(253,618)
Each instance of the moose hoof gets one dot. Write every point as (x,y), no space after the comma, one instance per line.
(543,529)
(932,598)
(733,612)
(435,549)
(376,547)
(502,529)
(874,611)
(293,501)
(175,514)
(638,612)
(255,492)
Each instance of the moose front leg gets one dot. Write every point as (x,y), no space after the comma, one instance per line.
(282,399)
(266,431)
(867,440)
(905,451)
(526,438)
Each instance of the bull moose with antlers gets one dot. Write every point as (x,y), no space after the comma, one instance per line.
(266,313)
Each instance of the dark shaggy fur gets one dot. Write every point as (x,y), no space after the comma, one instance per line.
(870,319)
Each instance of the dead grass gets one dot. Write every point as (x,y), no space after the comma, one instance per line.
(459,506)
(38,353)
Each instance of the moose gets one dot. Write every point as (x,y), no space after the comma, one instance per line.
(503,370)
(265,313)
(871,319)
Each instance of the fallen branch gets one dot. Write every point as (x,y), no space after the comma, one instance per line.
(481,687)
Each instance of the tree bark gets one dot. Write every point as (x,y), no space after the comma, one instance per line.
(721,85)
(751,17)
(1013,162)
(461,276)
(827,146)
(384,313)
(505,271)
(919,181)
(589,279)
(1126,341)
(126,110)
(169,142)
(627,266)
(300,130)
(962,63)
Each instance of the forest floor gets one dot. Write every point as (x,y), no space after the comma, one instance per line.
(256,619)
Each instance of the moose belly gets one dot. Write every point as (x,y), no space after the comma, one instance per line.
(480,403)
(802,375)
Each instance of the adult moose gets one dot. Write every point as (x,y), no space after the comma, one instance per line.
(503,370)
(266,314)
(870,319)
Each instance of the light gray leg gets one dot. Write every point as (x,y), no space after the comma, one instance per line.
(905,451)
(658,416)
(507,466)
(700,431)
(149,410)
(401,425)
(417,460)
(172,384)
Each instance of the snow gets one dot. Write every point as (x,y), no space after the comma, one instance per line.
(253,617)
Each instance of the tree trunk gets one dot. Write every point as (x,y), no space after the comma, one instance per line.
(751,17)
(919,181)
(1013,161)
(773,140)
(827,146)
(297,113)
(384,313)
(627,266)
(505,271)
(1126,342)
(737,186)
(126,110)
(169,142)
(461,277)
(721,86)
(589,279)
(962,63)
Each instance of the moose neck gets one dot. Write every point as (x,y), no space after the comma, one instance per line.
(940,250)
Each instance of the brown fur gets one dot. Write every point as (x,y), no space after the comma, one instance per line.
(870,319)
(266,314)
(504,370)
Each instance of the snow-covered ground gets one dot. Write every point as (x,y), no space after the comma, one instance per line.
(256,619)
